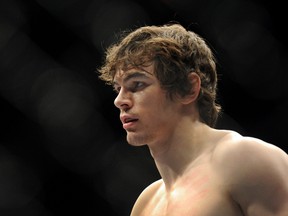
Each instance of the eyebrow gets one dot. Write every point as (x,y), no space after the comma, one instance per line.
(132,75)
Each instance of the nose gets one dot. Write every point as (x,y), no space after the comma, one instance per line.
(123,100)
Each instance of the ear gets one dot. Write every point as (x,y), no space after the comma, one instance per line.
(195,88)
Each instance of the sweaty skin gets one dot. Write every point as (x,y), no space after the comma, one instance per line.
(204,171)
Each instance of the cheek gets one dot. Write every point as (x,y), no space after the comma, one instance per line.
(153,103)
(154,106)
(158,110)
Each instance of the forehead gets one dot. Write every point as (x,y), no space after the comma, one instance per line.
(122,74)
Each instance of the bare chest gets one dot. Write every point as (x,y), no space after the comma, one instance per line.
(198,203)
(200,195)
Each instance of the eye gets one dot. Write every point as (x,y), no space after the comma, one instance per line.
(137,86)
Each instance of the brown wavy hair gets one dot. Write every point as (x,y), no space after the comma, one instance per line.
(176,52)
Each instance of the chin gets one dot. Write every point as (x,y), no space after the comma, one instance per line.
(136,140)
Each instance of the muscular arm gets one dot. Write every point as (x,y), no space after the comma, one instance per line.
(257,177)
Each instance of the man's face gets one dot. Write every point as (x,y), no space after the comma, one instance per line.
(146,112)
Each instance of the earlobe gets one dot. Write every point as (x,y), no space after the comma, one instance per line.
(195,88)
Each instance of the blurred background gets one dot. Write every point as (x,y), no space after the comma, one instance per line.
(62,147)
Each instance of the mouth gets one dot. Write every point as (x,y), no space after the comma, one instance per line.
(128,122)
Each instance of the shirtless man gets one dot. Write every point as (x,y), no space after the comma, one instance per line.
(166,82)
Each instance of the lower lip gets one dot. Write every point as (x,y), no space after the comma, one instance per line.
(129,125)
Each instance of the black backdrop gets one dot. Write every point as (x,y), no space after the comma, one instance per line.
(62,148)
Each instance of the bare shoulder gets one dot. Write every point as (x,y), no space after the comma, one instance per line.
(253,171)
(236,151)
(145,197)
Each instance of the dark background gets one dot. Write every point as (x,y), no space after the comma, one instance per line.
(62,148)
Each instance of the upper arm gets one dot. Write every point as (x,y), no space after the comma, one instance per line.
(257,177)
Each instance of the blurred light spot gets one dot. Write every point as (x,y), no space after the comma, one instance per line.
(64,105)
(131,168)
(16,54)
(7,31)
(55,5)
(77,134)
(186,5)
(71,13)
(112,17)
(12,12)
(13,43)
(251,50)
(18,183)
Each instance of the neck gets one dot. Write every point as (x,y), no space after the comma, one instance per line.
(179,151)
